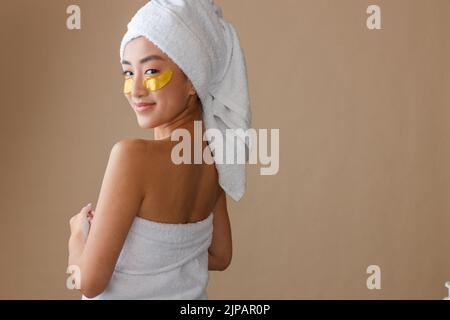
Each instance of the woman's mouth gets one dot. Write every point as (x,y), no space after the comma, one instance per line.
(143,106)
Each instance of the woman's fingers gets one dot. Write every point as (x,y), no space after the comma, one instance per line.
(90,215)
(87,211)
(85,216)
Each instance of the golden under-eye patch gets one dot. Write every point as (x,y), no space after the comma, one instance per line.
(153,83)
(128,85)
(158,82)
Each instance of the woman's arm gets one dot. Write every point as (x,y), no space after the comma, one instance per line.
(120,198)
(221,250)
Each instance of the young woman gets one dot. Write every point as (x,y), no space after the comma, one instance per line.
(158,226)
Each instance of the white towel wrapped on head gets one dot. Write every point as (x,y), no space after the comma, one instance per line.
(194,34)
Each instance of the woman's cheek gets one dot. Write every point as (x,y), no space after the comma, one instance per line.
(130,101)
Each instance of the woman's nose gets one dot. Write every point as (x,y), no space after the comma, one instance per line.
(138,89)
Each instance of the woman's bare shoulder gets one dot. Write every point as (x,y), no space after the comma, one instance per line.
(145,147)
(155,155)
(145,153)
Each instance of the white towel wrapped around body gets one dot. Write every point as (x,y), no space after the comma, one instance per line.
(161,261)
(194,34)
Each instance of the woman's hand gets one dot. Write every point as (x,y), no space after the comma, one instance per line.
(80,223)
(90,216)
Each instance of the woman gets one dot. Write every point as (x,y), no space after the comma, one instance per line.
(160,226)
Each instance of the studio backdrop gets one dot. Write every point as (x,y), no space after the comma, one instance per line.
(353,96)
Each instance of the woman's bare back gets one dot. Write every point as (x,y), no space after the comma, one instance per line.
(183,193)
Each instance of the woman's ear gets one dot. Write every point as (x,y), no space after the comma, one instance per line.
(192,90)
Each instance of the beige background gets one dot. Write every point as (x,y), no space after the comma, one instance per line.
(364,119)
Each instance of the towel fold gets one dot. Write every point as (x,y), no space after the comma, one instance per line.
(162,261)
(194,34)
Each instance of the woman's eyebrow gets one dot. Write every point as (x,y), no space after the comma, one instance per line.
(144,60)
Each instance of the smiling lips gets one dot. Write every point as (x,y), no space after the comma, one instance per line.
(144,106)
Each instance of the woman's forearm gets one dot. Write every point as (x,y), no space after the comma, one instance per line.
(215,264)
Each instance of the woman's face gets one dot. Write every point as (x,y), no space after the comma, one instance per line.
(141,59)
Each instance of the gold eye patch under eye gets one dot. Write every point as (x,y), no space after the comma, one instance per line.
(128,85)
(151,83)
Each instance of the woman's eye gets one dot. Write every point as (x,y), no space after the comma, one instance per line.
(127,73)
(156,71)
